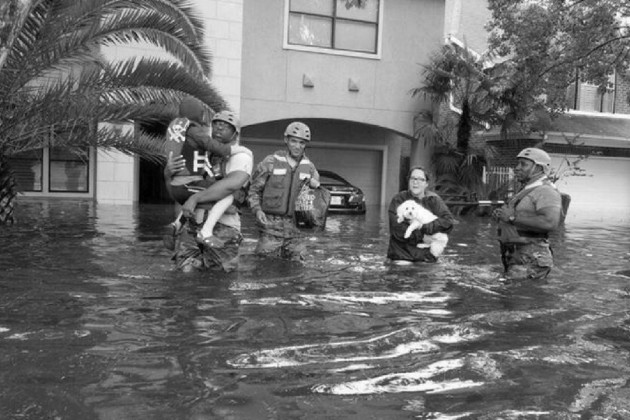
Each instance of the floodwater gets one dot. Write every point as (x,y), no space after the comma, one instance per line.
(95,324)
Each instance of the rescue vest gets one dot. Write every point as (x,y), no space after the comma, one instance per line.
(508,234)
(196,160)
(283,185)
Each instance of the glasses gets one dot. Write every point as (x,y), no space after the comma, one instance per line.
(414,179)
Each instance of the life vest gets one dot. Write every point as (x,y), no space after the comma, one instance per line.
(283,185)
(196,160)
(509,234)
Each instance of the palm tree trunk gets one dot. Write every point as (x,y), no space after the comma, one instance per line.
(12,15)
(8,193)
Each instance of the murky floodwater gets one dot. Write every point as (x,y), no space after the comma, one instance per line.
(95,324)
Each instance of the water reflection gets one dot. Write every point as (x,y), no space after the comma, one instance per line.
(95,323)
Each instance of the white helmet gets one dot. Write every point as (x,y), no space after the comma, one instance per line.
(538,156)
(299,130)
(228,117)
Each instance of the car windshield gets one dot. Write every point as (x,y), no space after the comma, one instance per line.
(325,179)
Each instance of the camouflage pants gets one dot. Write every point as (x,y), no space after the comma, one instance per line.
(531,261)
(280,238)
(191,256)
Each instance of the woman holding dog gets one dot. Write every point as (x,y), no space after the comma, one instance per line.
(405,250)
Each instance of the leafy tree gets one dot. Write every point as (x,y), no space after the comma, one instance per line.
(535,49)
(548,40)
(56,88)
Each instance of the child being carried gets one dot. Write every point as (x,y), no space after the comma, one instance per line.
(187,136)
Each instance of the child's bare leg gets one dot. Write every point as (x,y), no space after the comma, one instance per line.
(178,222)
(214,215)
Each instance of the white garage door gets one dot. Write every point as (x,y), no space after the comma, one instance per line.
(362,168)
(603,193)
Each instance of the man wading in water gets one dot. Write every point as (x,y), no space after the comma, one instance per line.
(527,219)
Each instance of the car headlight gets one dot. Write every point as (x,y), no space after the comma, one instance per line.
(356,198)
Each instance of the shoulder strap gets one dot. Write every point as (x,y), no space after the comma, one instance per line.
(519,196)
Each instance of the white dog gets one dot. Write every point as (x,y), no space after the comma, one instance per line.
(418,216)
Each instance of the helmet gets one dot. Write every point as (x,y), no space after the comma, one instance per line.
(299,130)
(538,156)
(191,108)
(228,117)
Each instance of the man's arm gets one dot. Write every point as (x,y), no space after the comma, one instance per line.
(314,182)
(231,183)
(545,220)
(174,164)
(201,136)
(238,168)
(548,209)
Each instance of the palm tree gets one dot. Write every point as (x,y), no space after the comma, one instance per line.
(457,75)
(56,86)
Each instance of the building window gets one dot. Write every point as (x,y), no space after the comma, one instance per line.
(68,171)
(590,98)
(28,170)
(338,25)
(51,171)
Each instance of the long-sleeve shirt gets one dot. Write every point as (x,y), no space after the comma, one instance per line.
(405,249)
(266,168)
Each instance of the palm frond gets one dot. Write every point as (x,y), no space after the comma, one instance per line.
(55,88)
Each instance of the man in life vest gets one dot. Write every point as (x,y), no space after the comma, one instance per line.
(275,186)
(189,143)
(231,173)
(527,219)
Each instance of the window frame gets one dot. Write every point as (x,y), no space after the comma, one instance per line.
(46,189)
(577,89)
(332,51)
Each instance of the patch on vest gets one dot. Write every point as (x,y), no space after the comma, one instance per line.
(177,130)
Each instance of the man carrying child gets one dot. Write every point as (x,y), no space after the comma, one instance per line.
(207,235)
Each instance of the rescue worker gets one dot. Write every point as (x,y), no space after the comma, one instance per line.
(232,173)
(275,185)
(403,250)
(526,220)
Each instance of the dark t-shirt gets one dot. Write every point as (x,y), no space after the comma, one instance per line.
(405,249)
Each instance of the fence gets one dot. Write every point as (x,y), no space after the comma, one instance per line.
(499,179)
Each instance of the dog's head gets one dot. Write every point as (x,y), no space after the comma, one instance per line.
(411,210)
(406,210)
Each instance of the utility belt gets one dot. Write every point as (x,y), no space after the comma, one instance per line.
(509,235)
(532,235)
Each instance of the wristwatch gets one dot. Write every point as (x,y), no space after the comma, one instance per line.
(511,219)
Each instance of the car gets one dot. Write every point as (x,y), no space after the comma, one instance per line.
(344,197)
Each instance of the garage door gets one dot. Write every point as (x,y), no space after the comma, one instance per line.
(603,193)
(362,168)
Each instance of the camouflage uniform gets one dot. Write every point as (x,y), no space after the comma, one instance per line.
(527,254)
(280,237)
(190,255)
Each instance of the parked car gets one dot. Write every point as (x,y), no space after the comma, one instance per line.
(344,197)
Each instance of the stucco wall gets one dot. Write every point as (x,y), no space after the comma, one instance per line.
(224,37)
(116,178)
(465,20)
(602,194)
(272,83)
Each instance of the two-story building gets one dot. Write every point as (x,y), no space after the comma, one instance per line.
(346,68)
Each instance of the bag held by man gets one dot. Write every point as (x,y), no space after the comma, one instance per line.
(311,207)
